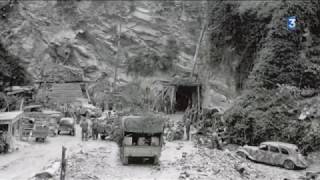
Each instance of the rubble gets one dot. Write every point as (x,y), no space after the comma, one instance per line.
(218,164)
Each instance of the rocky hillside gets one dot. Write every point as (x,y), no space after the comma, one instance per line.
(75,40)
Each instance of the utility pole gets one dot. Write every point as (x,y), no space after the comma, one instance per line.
(117,59)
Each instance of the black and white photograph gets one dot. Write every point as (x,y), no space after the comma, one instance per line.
(159,90)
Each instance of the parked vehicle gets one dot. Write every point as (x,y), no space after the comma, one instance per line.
(40,133)
(141,138)
(67,124)
(40,129)
(53,122)
(53,126)
(275,153)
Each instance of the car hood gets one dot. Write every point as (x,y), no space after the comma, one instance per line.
(250,148)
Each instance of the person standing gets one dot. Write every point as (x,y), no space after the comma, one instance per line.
(84,129)
(95,129)
(188,125)
(187,121)
(215,141)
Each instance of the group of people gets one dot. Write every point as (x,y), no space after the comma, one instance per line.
(89,128)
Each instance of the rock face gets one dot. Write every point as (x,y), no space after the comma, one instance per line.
(68,40)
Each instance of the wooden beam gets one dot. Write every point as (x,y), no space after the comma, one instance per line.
(118,59)
(198,46)
(198,93)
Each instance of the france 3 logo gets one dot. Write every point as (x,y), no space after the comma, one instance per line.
(291,23)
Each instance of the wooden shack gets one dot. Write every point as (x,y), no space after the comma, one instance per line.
(62,92)
(9,122)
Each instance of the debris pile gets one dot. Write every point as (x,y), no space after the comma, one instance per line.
(206,164)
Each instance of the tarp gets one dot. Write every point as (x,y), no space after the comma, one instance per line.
(143,124)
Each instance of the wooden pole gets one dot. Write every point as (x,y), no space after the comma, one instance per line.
(118,58)
(63,164)
(197,48)
(198,93)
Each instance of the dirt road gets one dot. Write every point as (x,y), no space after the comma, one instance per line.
(100,160)
(24,163)
(96,160)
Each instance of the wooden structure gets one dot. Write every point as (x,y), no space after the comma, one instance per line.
(65,92)
(180,92)
(62,92)
(9,122)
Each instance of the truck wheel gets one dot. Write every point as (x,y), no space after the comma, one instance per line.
(288,164)
(103,137)
(125,161)
(156,160)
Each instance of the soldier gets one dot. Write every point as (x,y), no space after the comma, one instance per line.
(186,114)
(188,125)
(95,129)
(187,121)
(215,140)
(84,128)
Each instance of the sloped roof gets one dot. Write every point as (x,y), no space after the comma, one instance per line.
(5,116)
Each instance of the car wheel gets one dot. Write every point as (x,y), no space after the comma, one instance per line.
(242,154)
(288,164)
(59,132)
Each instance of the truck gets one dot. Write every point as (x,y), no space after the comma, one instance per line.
(39,121)
(142,137)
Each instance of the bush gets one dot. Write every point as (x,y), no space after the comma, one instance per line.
(264,115)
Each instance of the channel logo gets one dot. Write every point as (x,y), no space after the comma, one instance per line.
(291,23)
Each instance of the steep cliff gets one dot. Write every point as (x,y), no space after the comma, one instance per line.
(79,39)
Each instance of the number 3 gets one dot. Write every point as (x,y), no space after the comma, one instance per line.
(292,23)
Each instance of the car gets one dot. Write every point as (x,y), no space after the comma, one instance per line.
(67,124)
(275,153)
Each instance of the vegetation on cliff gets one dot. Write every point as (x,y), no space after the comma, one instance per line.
(271,66)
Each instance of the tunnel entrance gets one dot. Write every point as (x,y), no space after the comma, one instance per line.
(185,95)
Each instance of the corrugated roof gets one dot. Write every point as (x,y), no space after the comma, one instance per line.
(9,115)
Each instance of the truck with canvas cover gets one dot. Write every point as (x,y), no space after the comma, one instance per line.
(142,138)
